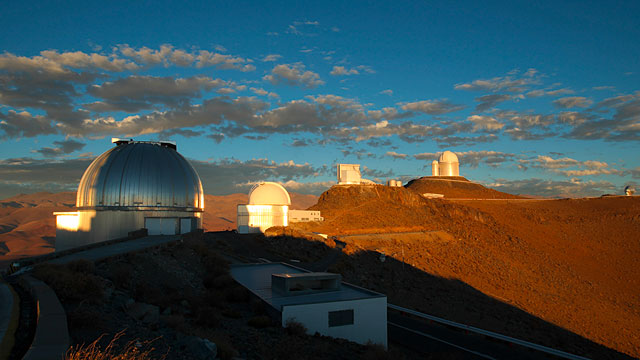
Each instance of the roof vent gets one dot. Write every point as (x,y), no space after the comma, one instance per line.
(305,283)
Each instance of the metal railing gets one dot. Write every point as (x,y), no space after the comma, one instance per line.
(491,334)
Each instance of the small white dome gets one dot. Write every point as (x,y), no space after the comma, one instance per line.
(269,193)
(448,157)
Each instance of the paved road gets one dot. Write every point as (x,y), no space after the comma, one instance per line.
(124,247)
(427,338)
(6,308)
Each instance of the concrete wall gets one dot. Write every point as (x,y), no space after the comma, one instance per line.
(97,226)
(369,325)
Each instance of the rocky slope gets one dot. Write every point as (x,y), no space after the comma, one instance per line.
(571,263)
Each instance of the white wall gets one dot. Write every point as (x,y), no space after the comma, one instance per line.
(369,319)
(97,226)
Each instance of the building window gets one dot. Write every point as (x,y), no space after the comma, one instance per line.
(340,318)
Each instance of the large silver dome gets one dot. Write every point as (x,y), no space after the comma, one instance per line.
(137,174)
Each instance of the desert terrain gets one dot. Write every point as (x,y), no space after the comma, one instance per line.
(562,273)
(28,227)
(569,262)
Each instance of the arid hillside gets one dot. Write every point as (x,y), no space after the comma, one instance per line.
(455,187)
(569,262)
(28,227)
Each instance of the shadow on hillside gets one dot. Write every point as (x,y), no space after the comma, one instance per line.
(413,288)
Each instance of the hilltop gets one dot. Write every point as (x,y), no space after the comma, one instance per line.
(569,262)
(455,187)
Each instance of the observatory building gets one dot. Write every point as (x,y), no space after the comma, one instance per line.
(349,174)
(134,185)
(446,165)
(268,206)
(319,301)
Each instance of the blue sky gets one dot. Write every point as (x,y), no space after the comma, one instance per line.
(536,99)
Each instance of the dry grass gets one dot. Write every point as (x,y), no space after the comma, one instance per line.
(133,350)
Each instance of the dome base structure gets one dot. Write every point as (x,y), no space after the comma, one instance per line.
(135,185)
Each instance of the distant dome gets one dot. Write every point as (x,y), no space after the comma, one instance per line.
(448,157)
(269,193)
(141,174)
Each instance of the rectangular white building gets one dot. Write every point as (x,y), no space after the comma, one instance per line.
(319,301)
(349,174)
(304,216)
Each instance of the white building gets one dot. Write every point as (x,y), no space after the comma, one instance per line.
(349,174)
(319,301)
(304,216)
(446,165)
(134,185)
(268,206)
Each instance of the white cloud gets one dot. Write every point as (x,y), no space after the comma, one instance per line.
(485,123)
(571,102)
(271,57)
(294,74)
(433,107)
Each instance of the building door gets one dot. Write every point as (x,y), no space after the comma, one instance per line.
(161,226)
(185,225)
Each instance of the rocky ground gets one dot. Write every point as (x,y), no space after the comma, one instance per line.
(177,301)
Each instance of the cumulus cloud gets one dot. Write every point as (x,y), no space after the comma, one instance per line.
(509,83)
(580,168)
(167,55)
(489,101)
(572,102)
(387,92)
(485,123)
(62,148)
(24,124)
(271,57)
(341,70)
(294,74)
(135,93)
(432,107)
(226,176)
(553,188)
(396,155)
(473,158)
(546,92)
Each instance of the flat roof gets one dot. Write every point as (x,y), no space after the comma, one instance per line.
(257,278)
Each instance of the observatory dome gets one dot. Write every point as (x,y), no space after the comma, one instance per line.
(139,175)
(448,157)
(269,193)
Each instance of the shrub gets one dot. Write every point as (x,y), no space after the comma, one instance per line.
(133,350)
(260,322)
(121,275)
(82,266)
(219,281)
(83,317)
(237,294)
(294,327)
(68,284)
(207,317)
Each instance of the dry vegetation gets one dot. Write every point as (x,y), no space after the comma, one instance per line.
(172,299)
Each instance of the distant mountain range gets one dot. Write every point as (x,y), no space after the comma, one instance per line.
(28,227)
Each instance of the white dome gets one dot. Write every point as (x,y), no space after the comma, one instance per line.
(448,157)
(269,193)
